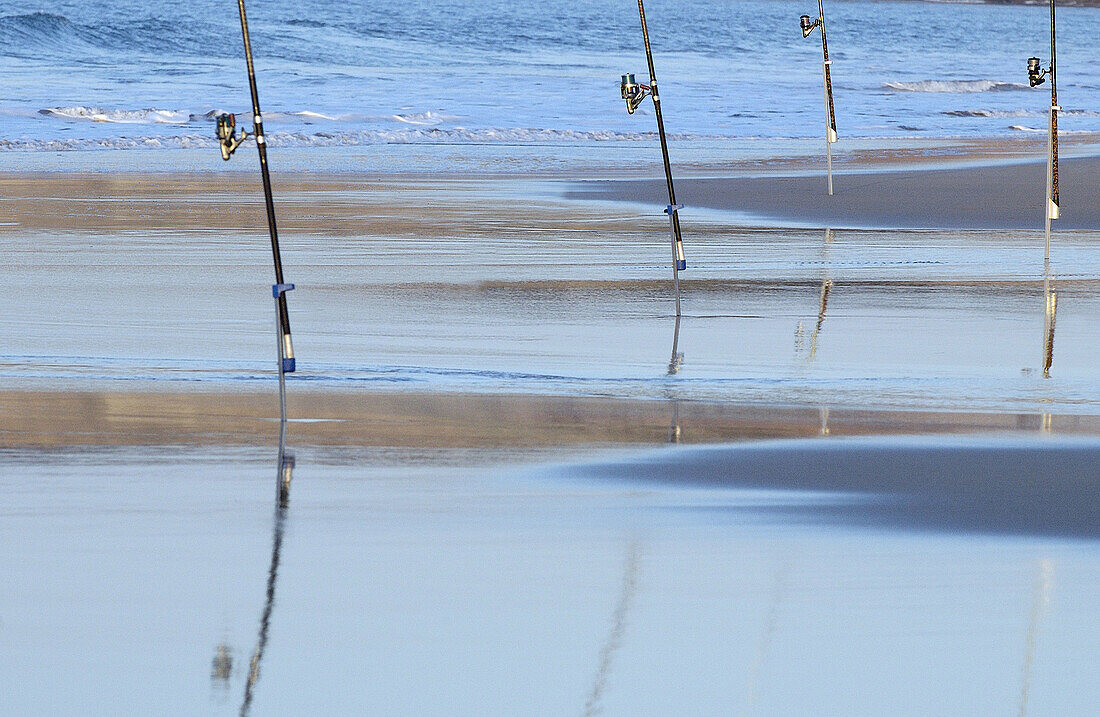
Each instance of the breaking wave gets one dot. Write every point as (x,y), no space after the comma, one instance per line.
(428,119)
(1043,130)
(1019,113)
(954,86)
(98,114)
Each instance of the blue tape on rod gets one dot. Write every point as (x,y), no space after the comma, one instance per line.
(681,265)
(277,289)
(288,365)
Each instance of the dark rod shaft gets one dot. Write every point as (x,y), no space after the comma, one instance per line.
(1053,112)
(261,145)
(660,122)
(828,67)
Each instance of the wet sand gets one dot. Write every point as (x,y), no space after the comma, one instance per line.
(482,504)
(159,283)
(1013,486)
(1000,196)
(55,419)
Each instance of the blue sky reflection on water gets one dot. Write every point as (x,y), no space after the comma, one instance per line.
(418,586)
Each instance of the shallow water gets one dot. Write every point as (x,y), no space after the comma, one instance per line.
(470,291)
(436,581)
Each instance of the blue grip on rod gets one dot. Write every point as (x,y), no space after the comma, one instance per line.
(288,365)
(278,289)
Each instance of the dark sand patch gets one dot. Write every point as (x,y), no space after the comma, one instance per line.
(1008,196)
(1016,486)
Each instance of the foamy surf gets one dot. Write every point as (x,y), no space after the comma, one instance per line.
(954,86)
(119,116)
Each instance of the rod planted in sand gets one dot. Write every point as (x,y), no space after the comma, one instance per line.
(1052,210)
(634,93)
(229,143)
(1036,76)
(827,85)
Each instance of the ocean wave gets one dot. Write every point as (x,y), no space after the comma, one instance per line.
(98,114)
(348,139)
(1018,113)
(427,119)
(1061,132)
(309,114)
(24,33)
(991,113)
(954,86)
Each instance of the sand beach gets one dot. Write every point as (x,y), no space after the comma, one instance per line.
(857,475)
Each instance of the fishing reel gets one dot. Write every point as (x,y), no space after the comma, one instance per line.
(807,26)
(633,92)
(1035,73)
(227,134)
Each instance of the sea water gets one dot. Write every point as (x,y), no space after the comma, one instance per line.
(82,74)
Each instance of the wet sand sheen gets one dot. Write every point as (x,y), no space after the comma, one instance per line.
(52,419)
(1006,196)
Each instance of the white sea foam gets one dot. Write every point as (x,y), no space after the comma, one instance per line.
(426,119)
(348,138)
(1061,132)
(954,86)
(1019,113)
(117,116)
(315,115)
(992,113)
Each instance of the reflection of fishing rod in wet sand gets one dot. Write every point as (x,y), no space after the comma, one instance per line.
(826,65)
(822,303)
(284,474)
(634,93)
(1036,76)
(227,136)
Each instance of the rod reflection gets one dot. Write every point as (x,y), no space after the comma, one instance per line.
(822,304)
(618,627)
(674,365)
(1049,316)
(1044,585)
(677,361)
(283,476)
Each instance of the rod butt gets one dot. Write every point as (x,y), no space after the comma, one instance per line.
(288,354)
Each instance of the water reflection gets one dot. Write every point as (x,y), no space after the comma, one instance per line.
(221,668)
(677,361)
(1044,582)
(222,665)
(618,627)
(1048,320)
(822,304)
(283,477)
(674,365)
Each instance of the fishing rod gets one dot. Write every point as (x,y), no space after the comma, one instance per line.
(230,141)
(826,65)
(634,93)
(1036,75)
